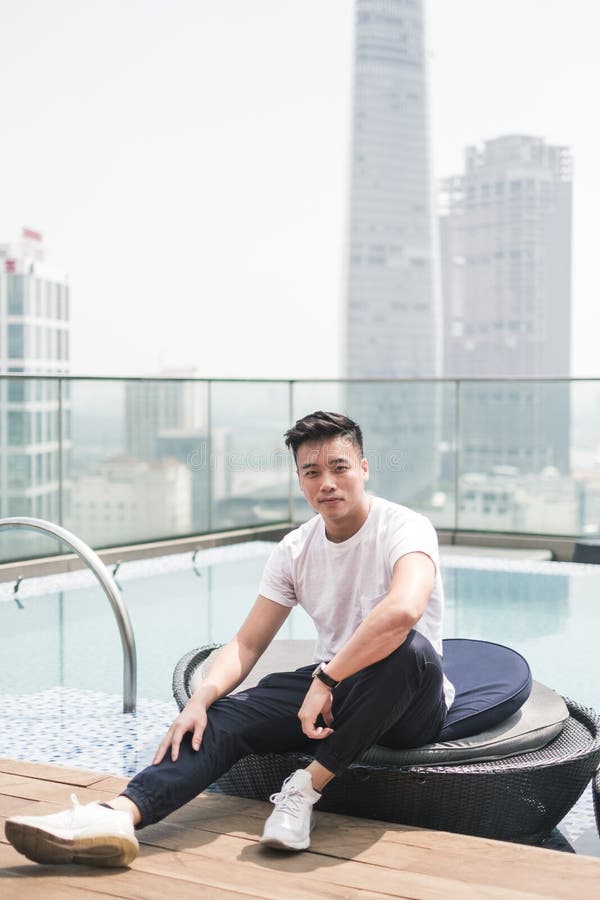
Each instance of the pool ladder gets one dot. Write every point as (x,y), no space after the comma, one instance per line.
(93,562)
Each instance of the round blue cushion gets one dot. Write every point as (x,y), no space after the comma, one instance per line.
(491,681)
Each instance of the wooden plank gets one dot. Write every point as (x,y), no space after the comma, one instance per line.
(32,789)
(211,846)
(381,844)
(312,868)
(248,870)
(180,875)
(110,783)
(46,772)
(10,780)
(23,880)
(401,846)
(35,889)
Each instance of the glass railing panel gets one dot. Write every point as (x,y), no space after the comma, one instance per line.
(408,430)
(135,460)
(149,459)
(514,458)
(29,462)
(407,444)
(249,462)
(585,455)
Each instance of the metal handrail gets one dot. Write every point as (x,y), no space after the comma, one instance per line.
(93,561)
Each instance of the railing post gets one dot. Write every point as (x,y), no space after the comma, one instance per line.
(291,468)
(457,384)
(93,561)
(209,452)
(61,455)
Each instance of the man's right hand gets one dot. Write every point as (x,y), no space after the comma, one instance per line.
(191,718)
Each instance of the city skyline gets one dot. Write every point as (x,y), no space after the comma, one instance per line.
(227,195)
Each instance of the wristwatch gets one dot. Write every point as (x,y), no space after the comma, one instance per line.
(324,677)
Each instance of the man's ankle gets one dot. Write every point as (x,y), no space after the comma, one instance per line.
(124,804)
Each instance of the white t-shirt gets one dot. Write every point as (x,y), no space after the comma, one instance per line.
(338,584)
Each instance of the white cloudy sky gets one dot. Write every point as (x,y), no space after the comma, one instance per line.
(187,162)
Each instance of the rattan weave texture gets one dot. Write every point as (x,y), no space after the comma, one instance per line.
(596,792)
(521,798)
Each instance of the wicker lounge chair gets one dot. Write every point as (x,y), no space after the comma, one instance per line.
(520,797)
(596,791)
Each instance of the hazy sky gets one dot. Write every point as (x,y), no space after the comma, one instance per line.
(188,162)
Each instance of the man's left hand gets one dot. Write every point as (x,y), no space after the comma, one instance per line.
(318,700)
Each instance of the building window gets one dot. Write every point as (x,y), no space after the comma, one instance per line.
(17,422)
(49,300)
(16,296)
(16,390)
(16,342)
(19,506)
(19,471)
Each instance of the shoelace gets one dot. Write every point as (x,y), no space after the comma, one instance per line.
(288,799)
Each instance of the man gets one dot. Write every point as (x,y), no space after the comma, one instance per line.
(366,571)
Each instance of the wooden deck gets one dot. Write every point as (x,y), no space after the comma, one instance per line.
(210,849)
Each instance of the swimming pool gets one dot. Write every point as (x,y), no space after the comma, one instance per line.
(61,631)
(61,664)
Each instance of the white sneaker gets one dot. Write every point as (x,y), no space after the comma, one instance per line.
(89,835)
(291,822)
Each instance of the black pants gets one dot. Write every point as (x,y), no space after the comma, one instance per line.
(397,702)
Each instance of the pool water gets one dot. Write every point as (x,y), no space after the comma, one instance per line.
(549,612)
(61,671)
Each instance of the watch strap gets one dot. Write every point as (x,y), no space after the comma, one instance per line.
(324,677)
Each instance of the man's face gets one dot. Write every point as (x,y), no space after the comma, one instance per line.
(332,476)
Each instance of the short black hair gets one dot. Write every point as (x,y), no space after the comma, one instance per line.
(318,426)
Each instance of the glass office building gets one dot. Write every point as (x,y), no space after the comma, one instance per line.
(34,339)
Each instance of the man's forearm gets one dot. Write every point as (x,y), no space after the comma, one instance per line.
(232,664)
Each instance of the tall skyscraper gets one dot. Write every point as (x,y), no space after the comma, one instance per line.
(505,236)
(34,339)
(393,312)
(506,261)
(393,317)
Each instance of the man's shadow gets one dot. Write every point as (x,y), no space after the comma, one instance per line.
(335,839)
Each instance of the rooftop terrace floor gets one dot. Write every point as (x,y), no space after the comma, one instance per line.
(210,849)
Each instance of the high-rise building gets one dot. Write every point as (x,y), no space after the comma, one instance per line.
(393,316)
(175,400)
(393,312)
(34,339)
(168,419)
(506,261)
(505,236)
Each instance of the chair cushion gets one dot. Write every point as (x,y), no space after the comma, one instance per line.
(535,724)
(491,681)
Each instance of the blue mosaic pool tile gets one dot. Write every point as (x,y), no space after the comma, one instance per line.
(82,729)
